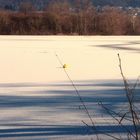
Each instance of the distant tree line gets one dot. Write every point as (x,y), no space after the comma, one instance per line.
(60,17)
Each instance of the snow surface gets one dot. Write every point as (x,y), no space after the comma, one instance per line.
(37,100)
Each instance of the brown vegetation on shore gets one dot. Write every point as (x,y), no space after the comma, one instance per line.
(62,18)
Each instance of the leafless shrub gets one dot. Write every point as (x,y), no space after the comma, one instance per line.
(131,113)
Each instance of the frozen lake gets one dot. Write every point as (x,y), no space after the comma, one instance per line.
(37,100)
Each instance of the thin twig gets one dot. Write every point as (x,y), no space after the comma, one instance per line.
(129,97)
(79,96)
(119,122)
(109,135)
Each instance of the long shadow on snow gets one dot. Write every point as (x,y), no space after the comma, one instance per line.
(60,130)
(68,98)
(64,99)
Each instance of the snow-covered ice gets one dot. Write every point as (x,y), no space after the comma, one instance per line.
(37,100)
